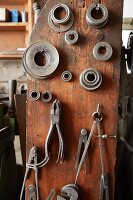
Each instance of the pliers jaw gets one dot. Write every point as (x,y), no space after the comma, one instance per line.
(55,112)
(55,122)
(33,155)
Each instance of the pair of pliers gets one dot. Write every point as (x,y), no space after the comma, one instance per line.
(55,122)
(32,159)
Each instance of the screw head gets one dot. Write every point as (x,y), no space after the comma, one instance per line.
(100,37)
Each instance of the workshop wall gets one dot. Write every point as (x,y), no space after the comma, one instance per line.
(11,69)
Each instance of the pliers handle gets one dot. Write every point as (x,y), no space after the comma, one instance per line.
(55,122)
(82,143)
(31,159)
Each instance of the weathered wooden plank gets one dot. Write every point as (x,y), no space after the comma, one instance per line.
(77,104)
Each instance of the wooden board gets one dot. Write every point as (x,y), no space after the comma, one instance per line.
(77,103)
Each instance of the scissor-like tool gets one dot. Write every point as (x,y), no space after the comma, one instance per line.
(31,160)
(32,193)
(104,186)
(55,122)
(82,143)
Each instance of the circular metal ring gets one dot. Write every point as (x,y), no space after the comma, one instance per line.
(48,52)
(71,37)
(46,96)
(63,24)
(65,19)
(34,95)
(105,54)
(97,23)
(66,76)
(90,79)
(97,116)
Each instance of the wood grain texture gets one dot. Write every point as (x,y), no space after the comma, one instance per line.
(77,103)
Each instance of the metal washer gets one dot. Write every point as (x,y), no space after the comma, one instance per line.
(97,23)
(65,19)
(48,97)
(60,26)
(102,57)
(88,84)
(51,56)
(66,76)
(71,41)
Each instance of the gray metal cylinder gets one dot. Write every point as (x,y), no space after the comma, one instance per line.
(71,37)
(105,55)
(66,76)
(90,79)
(97,23)
(66,21)
(48,53)
(34,95)
(46,96)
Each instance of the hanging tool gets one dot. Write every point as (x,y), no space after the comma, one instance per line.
(55,121)
(82,143)
(97,116)
(32,159)
(85,150)
(104,187)
(32,192)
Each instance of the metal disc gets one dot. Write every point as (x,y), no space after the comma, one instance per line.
(50,54)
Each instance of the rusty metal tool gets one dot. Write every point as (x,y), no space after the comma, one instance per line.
(55,121)
(55,115)
(104,187)
(85,150)
(32,159)
(82,143)
(32,193)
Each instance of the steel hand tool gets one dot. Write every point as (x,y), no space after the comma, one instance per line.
(55,121)
(104,187)
(97,116)
(86,149)
(82,143)
(32,159)
(32,193)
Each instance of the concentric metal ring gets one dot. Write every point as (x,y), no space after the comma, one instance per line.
(65,19)
(70,40)
(104,56)
(97,23)
(61,25)
(50,54)
(90,79)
